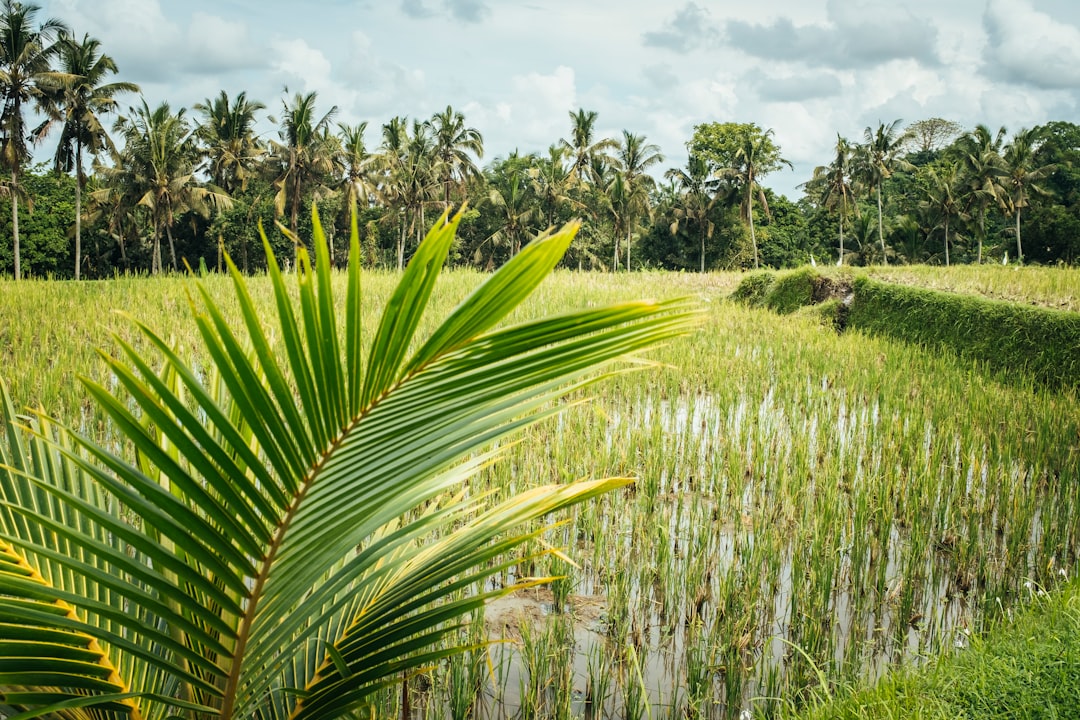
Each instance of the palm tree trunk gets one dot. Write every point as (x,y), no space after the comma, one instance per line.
(155,255)
(628,236)
(78,208)
(172,247)
(982,232)
(1019,250)
(703,248)
(753,235)
(946,241)
(15,222)
(880,229)
(294,218)
(401,245)
(841,240)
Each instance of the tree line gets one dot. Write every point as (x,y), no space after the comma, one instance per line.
(155,188)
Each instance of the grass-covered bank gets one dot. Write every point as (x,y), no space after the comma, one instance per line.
(1019,340)
(1009,337)
(1029,668)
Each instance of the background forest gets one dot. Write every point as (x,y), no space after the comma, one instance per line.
(159,187)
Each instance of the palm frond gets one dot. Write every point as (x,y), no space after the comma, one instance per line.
(252,558)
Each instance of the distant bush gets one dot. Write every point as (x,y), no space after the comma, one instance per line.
(1042,343)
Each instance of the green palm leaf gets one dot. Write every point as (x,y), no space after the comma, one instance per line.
(254,559)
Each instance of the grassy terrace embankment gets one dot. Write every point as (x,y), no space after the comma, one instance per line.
(1020,341)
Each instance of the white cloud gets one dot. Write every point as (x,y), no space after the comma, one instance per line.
(136,33)
(1030,47)
(219,45)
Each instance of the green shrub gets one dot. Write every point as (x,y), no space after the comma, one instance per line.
(754,288)
(1042,343)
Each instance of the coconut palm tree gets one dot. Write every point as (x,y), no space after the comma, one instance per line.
(755,156)
(697,198)
(1022,175)
(227,135)
(551,180)
(26,79)
(83,97)
(157,168)
(835,181)
(634,156)
(984,171)
(306,154)
(511,195)
(289,533)
(584,149)
(944,199)
(360,177)
(454,146)
(878,158)
(413,176)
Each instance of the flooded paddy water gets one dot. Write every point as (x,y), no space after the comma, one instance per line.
(803,515)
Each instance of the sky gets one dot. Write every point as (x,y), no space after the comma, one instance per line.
(807,69)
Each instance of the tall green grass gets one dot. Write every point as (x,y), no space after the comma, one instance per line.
(810,509)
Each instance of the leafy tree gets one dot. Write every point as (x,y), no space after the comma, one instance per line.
(26,78)
(46,249)
(82,97)
(834,182)
(551,180)
(944,200)
(227,134)
(878,158)
(585,150)
(755,155)
(157,171)
(926,136)
(411,176)
(454,145)
(305,154)
(634,156)
(697,198)
(510,196)
(984,170)
(1023,173)
(302,540)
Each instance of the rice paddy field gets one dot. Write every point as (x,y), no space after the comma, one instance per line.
(810,509)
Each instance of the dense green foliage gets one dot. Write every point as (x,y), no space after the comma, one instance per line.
(1025,670)
(1015,339)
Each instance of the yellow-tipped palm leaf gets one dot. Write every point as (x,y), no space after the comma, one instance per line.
(251,561)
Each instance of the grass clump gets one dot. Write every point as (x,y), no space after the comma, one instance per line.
(1027,669)
(1008,337)
(793,290)
(754,288)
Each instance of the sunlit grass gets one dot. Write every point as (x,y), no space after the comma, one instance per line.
(1048,286)
(810,507)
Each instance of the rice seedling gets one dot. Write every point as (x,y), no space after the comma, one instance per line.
(861,499)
